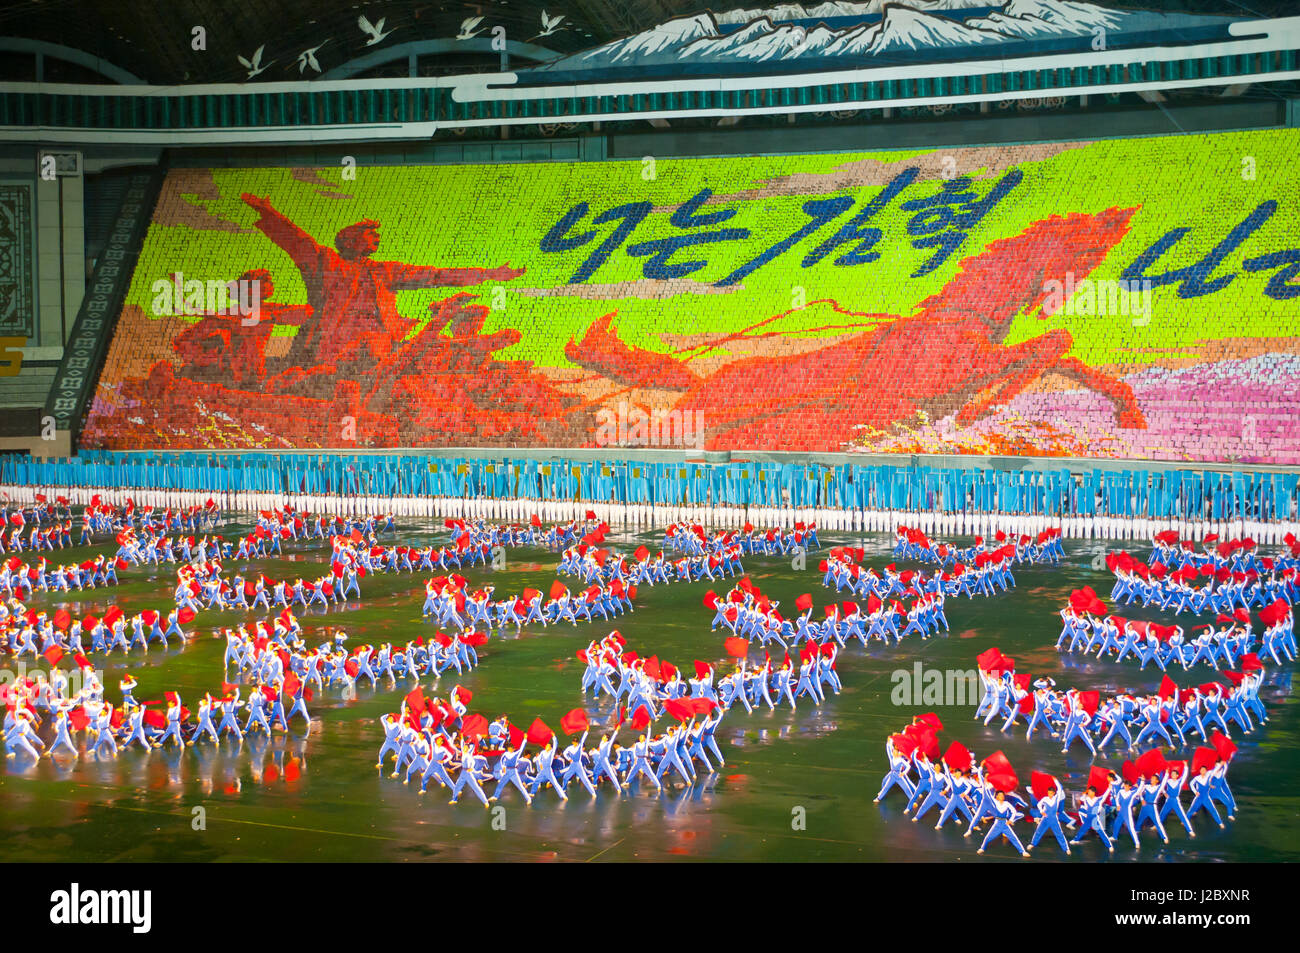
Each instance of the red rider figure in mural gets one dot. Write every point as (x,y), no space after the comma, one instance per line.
(354,318)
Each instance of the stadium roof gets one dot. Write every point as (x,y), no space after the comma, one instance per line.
(152,40)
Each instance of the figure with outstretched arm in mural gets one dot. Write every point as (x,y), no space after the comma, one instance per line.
(354,317)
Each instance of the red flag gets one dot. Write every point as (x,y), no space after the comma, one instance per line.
(930,720)
(1151,763)
(957,757)
(1005,782)
(557,589)
(1223,745)
(998,762)
(474,727)
(679,709)
(804,602)
(1204,758)
(640,718)
(575,722)
(1042,784)
(53,654)
(185,616)
(1098,780)
(538,733)
(736,647)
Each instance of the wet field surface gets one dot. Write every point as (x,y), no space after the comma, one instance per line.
(319,796)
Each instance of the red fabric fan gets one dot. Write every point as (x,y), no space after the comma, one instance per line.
(575,722)
(736,647)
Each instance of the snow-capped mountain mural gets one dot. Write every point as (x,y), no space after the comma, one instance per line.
(839,34)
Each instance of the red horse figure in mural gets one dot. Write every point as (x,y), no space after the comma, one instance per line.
(946,359)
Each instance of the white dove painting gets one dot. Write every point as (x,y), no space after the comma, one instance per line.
(255,65)
(467,31)
(550,24)
(307,58)
(374,30)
